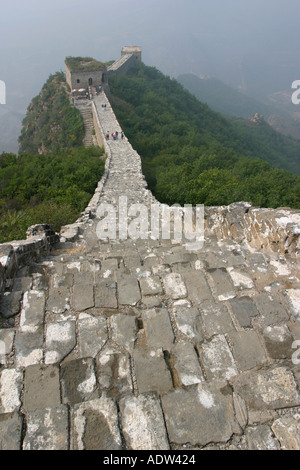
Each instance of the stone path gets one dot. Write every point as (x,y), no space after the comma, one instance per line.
(142,344)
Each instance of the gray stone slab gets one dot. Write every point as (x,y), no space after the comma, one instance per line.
(199,415)
(287,431)
(128,290)
(197,287)
(82,297)
(7,336)
(22,284)
(64,280)
(33,310)
(106,294)
(271,310)
(84,278)
(188,322)
(152,302)
(58,300)
(267,389)
(174,286)
(222,283)
(10,304)
(10,431)
(241,278)
(247,349)
(114,372)
(143,423)
(60,340)
(159,332)
(261,438)
(124,330)
(150,286)
(278,340)
(11,383)
(217,359)
(244,310)
(29,346)
(186,364)
(41,387)
(78,381)
(215,319)
(94,426)
(92,335)
(47,429)
(152,373)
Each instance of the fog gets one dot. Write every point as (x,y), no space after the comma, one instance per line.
(250,44)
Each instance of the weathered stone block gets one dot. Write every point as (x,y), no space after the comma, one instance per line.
(90,417)
(92,335)
(114,372)
(128,290)
(41,387)
(124,330)
(143,423)
(11,381)
(188,321)
(78,381)
(151,370)
(150,286)
(82,297)
(217,359)
(271,310)
(158,328)
(247,349)
(267,389)
(106,295)
(60,340)
(10,431)
(199,415)
(186,364)
(47,429)
(244,310)
(174,286)
(215,319)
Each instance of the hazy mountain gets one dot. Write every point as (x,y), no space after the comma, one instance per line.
(277,108)
(10,129)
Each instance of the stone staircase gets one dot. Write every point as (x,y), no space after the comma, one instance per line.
(122,344)
(85,109)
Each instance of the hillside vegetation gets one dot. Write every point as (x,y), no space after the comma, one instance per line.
(191,154)
(51,123)
(52,188)
(54,177)
(227,100)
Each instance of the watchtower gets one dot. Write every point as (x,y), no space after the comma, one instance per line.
(135,50)
(82,72)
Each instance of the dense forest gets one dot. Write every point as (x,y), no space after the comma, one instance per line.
(191,154)
(54,176)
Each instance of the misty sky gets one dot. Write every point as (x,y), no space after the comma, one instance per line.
(249,43)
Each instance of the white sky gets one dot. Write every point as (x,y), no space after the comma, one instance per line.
(252,40)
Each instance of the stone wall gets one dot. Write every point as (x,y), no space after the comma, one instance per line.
(121,66)
(276,230)
(16,254)
(98,77)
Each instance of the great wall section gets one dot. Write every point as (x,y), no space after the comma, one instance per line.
(143,344)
